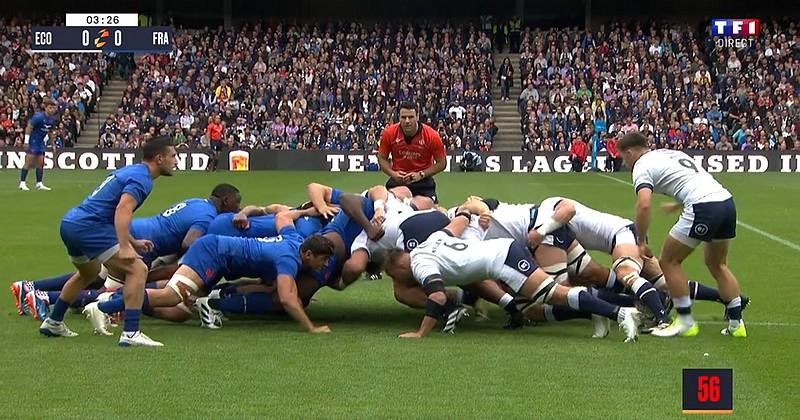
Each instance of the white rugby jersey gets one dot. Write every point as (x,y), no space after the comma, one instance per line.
(458,262)
(594,229)
(420,228)
(675,174)
(474,230)
(510,221)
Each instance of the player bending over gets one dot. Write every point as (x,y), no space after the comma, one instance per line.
(97,232)
(709,215)
(446,260)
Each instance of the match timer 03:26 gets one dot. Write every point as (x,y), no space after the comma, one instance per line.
(101,39)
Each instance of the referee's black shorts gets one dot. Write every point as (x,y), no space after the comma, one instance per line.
(426,187)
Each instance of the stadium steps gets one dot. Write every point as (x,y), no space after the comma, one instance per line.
(506,116)
(107,105)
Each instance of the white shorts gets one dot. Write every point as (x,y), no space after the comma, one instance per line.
(624,237)
(683,227)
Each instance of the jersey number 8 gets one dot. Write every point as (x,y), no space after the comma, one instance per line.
(174,209)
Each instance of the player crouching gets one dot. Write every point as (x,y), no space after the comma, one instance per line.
(446,260)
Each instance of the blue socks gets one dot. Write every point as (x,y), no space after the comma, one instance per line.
(39,174)
(563,313)
(131,323)
(612,297)
(252,303)
(52,284)
(23,175)
(581,300)
(699,291)
(58,311)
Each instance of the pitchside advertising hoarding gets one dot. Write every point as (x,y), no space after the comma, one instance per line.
(254,160)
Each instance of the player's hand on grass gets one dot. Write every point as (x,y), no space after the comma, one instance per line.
(240,221)
(322,329)
(412,334)
(142,246)
(670,207)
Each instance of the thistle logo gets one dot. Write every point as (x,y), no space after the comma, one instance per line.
(738,33)
(102,35)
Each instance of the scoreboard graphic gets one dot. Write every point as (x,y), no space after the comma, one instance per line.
(101,33)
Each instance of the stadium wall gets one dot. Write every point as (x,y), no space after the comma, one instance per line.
(197,160)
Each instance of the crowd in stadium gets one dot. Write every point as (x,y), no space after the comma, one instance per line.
(335,86)
(664,81)
(73,80)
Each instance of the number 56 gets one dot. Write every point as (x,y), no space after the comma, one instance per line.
(707,388)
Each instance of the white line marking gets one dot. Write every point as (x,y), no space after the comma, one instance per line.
(751,228)
(756,323)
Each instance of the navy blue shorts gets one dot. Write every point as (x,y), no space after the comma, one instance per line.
(715,220)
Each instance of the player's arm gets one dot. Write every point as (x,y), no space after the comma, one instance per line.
(122,221)
(192,235)
(321,196)
(643,203)
(240,219)
(276,208)
(459,223)
(352,205)
(434,305)
(562,214)
(378,194)
(286,218)
(287,294)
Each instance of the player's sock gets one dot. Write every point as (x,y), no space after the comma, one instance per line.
(39,175)
(58,311)
(53,283)
(683,306)
(53,296)
(553,313)
(251,303)
(612,279)
(23,175)
(113,305)
(581,300)
(86,297)
(131,323)
(469,298)
(647,294)
(734,312)
(151,285)
(699,291)
(506,302)
(612,297)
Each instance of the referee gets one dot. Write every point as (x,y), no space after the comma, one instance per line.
(411,153)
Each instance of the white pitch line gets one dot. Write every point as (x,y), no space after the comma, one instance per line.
(751,228)
(756,323)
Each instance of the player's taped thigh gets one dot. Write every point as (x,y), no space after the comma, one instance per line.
(577,260)
(110,281)
(183,286)
(544,291)
(628,262)
(559,272)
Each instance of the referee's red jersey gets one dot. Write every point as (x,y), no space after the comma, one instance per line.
(413,156)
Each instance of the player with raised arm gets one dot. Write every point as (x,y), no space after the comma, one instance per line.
(39,127)
(709,215)
(446,260)
(98,232)
(212,258)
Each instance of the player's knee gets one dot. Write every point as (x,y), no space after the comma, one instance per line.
(559,272)
(544,291)
(182,286)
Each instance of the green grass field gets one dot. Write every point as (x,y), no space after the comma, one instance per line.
(269,368)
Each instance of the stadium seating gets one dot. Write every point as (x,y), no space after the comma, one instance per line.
(667,81)
(75,81)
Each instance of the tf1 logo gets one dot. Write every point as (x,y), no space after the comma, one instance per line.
(737,32)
